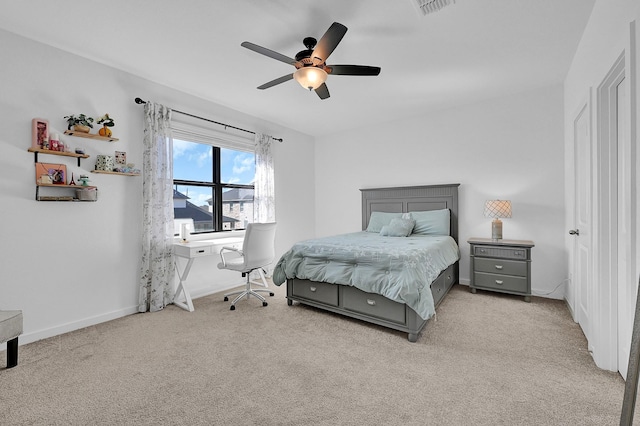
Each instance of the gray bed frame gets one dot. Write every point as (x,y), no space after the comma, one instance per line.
(374,308)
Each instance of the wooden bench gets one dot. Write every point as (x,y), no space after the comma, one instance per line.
(10,329)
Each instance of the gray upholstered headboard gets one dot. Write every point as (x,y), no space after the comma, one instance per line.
(411,198)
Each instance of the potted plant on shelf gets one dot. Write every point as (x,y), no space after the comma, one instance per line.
(79,123)
(106,122)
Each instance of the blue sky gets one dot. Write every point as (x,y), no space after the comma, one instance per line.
(193,161)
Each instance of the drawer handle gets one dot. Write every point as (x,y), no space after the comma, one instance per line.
(499,282)
(201,251)
(483,251)
(371,302)
(499,267)
(313,289)
(448,277)
(518,253)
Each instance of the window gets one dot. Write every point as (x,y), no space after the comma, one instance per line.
(209,182)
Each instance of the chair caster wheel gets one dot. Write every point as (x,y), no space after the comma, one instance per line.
(226,299)
(272,294)
(264,303)
(232,308)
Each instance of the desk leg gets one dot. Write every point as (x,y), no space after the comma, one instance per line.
(187,304)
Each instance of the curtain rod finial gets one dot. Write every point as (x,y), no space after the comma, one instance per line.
(139,101)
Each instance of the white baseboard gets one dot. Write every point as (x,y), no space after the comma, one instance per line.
(88,322)
(23,339)
(206,291)
(570,308)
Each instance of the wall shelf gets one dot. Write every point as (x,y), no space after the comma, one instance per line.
(39,197)
(90,136)
(115,173)
(50,152)
(59,197)
(60,185)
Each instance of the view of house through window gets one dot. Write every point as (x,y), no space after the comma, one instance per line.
(212,186)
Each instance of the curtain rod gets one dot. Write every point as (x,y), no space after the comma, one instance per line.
(140,101)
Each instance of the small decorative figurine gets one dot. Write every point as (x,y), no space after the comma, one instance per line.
(106,122)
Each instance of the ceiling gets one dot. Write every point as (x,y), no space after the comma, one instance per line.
(469,51)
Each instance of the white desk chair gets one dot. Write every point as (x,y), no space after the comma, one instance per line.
(258,251)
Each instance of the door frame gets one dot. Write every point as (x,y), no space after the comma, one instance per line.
(605,312)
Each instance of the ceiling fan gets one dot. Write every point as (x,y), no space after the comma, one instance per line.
(311,68)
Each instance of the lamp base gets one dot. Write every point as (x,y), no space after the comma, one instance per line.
(496,229)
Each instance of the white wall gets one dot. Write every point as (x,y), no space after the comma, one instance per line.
(69,265)
(508,148)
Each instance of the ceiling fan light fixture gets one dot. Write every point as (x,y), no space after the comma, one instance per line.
(310,77)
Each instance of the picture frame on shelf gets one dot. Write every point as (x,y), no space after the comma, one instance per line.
(48,173)
(40,133)
(121,157)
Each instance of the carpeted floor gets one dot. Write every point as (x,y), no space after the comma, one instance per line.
(487,359)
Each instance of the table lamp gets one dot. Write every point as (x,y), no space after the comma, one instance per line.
(497,209)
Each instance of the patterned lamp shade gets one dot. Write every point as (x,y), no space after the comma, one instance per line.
(497,208)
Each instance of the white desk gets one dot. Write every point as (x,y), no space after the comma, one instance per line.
(190,251)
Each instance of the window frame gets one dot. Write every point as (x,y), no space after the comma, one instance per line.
(216,185)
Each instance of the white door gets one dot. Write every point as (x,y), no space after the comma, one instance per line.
(582,220)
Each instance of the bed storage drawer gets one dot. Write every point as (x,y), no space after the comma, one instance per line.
(373,304)
(318,292)
(438,289)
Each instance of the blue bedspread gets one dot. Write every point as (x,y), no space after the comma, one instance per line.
(401,269)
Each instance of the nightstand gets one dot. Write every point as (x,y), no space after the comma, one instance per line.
(501,265)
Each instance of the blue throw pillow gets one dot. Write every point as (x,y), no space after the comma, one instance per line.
(398,227)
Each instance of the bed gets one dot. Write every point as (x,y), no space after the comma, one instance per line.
(382,275)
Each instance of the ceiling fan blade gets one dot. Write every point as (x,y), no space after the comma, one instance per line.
(329,41)
(323,91)
(268,52)
(353,70)
(276,81)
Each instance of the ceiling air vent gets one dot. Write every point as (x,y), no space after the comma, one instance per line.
(430,6)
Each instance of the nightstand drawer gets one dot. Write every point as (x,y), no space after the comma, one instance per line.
(500,266)
(500,282)
(504,253)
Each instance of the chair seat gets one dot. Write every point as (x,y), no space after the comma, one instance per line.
(10,325)
(234,265)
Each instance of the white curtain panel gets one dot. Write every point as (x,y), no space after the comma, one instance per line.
(157,269)
(264,192)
